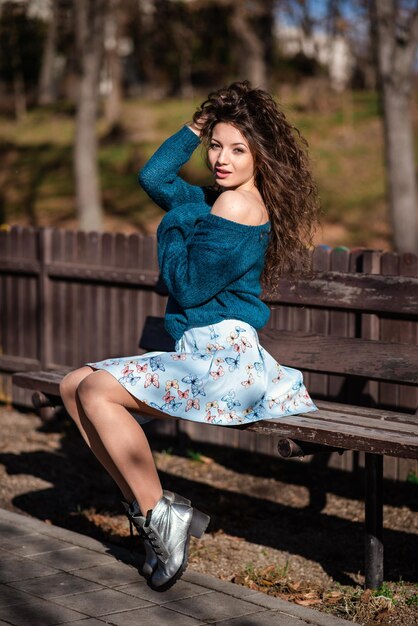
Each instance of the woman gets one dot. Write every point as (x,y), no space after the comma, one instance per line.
(214,245)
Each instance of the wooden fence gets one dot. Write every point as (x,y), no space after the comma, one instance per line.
(67,297)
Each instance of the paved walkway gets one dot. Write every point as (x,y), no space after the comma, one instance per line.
(49,575)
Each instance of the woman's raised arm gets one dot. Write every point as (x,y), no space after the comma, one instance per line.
(159,176)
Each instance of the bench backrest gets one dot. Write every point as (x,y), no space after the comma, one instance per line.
(375,360)
(367,297)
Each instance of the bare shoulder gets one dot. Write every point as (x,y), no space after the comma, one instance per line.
(239,206)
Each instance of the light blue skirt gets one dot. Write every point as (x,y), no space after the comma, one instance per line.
(219,374)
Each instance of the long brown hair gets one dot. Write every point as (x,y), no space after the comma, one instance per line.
(282,172)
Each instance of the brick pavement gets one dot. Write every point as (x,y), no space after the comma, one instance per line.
(49,575)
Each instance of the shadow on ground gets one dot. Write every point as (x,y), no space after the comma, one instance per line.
(79,484)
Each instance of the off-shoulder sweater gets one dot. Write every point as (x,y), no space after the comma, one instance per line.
(211,265)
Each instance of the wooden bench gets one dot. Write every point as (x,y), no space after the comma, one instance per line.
(336,426)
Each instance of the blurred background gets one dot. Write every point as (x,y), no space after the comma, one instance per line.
(90,88)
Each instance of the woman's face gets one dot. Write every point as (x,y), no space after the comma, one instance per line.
(230,158)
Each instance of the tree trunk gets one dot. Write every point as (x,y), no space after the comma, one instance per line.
(396,43)
(47,88)
(89,24)
(19,91)
(251,53)
(113,104)
(19,94)
(183,36)
(399,146)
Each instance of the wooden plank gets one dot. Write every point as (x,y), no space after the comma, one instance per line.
(94,299)
(304,429)
(71,290)
(339,321)
(347,434)
(141,294)
(103,273)
(370,322)
(106,257)
(150,243)
(45,301)
(133,324)
(13,363)
(30,245)
(58,302)
(362,411)
(11,300)
(372,359)
(149,267)
(408,331)
(20,291)
(123,313)
(385,294)
(90,313)
(389,332)
(9,265)
(408,425)
(3,316)
(47,382)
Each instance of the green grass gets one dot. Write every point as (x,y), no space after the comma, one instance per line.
(412,478)
(345,141)
(194,455)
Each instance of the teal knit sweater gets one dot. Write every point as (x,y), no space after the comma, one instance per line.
(211,265)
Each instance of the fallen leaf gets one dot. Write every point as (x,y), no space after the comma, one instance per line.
(205,459)
(310,594)
(366,595)
(310,602)
(332,597)
(333,594)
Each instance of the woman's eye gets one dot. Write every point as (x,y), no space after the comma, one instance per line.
(239,150)
(213,146)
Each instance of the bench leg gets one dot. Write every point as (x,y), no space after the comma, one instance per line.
(374,521)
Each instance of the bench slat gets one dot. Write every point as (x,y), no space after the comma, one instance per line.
(362,292)
(385,424)
(47,382)
(373,433)
(10,363)
(364,411)
(377,360)
(347,436)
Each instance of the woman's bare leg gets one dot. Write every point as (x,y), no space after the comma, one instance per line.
(105,403)
(68,391)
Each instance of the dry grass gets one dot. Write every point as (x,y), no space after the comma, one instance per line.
(393,603)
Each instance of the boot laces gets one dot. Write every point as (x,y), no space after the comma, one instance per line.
(154,541)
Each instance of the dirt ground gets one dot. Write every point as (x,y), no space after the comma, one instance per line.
(286,528)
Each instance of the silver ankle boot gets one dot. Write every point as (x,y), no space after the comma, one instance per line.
(168,527)
(132,511)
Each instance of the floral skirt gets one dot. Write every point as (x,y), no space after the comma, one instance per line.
(219,374)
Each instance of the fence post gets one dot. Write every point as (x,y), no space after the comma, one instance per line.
(45,298)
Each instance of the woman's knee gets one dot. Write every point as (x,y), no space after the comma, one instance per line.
(70,383)
(91,390)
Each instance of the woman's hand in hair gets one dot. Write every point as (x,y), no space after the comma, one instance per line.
(194,128)
(197,123)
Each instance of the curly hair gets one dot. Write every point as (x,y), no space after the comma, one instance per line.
(282,172)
